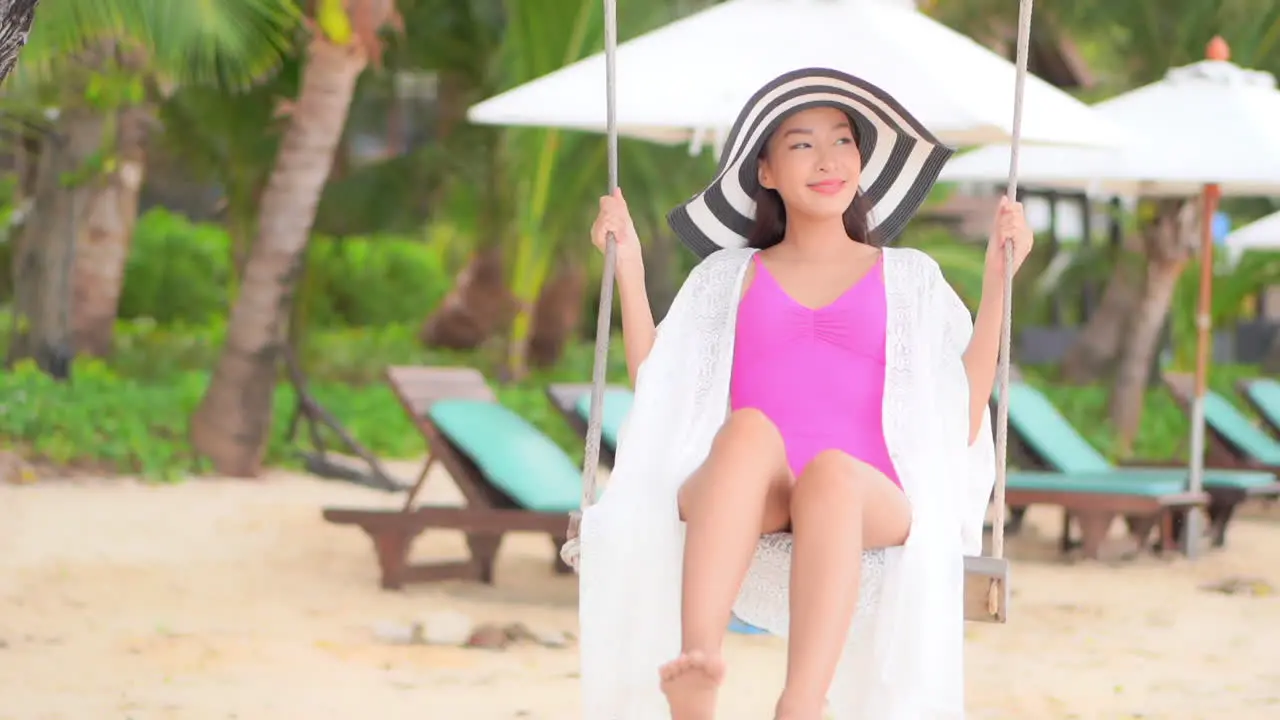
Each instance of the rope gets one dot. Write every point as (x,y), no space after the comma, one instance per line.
(591,457)
(1006,326)
(571,551)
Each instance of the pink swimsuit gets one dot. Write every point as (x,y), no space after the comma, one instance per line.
(817,374)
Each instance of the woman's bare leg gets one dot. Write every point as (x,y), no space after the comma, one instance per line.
(839,506)
(740,492)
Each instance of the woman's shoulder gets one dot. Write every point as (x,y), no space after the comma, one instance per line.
(912,265)
(720,266)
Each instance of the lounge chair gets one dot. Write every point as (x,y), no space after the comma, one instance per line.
(513,478)
(573,401)
(1233,439)
(1047,439)
(1263,395)
(1093,497)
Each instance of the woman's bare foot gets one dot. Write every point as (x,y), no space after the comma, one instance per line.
(690,683)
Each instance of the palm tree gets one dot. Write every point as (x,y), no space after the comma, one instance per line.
(232,423)
(523,273)
(96,66)
(16,17)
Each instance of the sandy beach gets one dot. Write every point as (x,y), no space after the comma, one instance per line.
(222,600)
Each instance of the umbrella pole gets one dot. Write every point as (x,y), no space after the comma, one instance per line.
(1217,49)
(1204,343)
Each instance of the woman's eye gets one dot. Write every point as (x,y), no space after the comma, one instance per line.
(800,146)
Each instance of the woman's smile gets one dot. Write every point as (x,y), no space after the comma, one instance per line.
(828,187)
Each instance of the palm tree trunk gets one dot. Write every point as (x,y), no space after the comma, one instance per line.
(558,313)
(45,251)
(16,17)
(1169,249)
(102,249)
(1096,349)
(479,305)
(232,424)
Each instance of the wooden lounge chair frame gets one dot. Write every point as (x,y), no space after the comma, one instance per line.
(310,413)
(488,513)
(1094,512)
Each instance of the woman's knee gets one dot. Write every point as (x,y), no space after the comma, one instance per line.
(836,476)
(834,479)
(749,445)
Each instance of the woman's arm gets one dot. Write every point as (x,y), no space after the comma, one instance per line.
(983,352)
(638,330)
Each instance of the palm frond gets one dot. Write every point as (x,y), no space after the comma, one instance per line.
(228,43)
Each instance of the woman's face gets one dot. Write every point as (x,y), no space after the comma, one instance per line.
(812,161)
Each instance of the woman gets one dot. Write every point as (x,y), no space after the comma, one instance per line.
(837,407)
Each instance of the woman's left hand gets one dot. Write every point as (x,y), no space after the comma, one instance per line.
(1010,227)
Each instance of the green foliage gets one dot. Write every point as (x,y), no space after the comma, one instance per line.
(230,43)
(131,415)
(180,272)
(1234,293)
(100,419)
(368,281)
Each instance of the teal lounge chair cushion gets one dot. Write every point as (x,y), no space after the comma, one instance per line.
(1239,430)
(1109,482)
(514,456)
(617,403)
(1051,435)
(1266,395)
(1241,479)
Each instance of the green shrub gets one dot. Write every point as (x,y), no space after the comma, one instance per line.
(373,281)
(179,272)
(101,420)
(132,415)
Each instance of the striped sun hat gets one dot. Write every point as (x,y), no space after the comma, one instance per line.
(901,160)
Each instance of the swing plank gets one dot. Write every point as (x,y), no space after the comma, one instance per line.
(979,573)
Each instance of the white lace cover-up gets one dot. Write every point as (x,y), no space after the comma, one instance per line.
(903,658)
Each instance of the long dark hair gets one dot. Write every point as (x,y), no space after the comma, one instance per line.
(771,217)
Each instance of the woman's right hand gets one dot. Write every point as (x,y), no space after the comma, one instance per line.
(615,218)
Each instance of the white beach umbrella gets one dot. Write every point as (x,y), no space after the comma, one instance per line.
(687,80)
(1262,234)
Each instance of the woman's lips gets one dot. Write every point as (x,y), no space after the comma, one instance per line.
(828,187)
